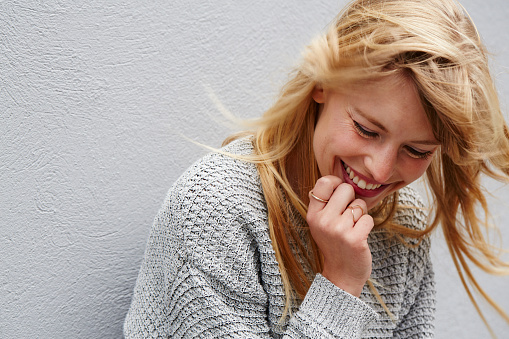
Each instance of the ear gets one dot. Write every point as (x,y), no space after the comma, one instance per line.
(318,94)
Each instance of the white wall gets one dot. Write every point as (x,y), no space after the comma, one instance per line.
(94,100)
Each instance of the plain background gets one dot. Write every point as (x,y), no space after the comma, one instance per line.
(95,100)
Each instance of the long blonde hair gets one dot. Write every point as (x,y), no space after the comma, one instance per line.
(437,45)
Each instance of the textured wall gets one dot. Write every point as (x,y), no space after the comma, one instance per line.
(95,98)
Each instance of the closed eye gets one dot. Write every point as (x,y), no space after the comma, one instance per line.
(412,152)
(369,134)
(363,131)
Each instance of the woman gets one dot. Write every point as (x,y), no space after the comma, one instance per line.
(304,227)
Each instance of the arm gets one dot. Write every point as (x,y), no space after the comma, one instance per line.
(198,302)
(209,270)
(179,294)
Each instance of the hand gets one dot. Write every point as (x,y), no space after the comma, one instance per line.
(341,229)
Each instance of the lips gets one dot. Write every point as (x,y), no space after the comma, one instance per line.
(361,185)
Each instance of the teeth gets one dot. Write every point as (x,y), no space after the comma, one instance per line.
(360,182)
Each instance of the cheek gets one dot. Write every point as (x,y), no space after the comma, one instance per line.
(319,143)
(323,138)
(415,169)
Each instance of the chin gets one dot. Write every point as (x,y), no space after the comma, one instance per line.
(372,202)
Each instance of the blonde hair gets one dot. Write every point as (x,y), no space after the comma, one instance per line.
(435,43)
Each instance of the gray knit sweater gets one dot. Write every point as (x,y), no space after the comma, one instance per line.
(210,270)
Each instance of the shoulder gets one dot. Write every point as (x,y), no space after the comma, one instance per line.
(218,208)
(207,234)
(217,198)
(217,178)
(223,164)
(225,158)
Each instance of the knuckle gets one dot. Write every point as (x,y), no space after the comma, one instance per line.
(368,219)
(326,182)
(310,218)
(329,182)
(366,223)
(316,222)
(346,189)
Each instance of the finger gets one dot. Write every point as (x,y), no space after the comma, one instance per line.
(358,208)
(323,190)
(362,204)
(312,195)
(357,212)
(363,226)
(341,198)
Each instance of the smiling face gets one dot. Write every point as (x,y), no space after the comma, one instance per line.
(375,136)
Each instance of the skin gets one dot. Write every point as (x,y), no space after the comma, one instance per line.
(379,129)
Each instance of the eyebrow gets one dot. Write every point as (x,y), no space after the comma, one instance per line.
(371,120)
(382,127)
(426,142)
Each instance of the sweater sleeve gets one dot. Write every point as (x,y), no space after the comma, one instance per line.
(201,274)
(329,312)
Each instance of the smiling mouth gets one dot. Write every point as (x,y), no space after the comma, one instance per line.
(360,185)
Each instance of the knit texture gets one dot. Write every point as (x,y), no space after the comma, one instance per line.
(210,270)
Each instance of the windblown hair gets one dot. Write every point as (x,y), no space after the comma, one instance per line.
(435,43)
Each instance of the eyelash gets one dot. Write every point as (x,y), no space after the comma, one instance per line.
(363,132)
(371,135)
(418,155)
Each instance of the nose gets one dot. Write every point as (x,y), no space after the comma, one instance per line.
(381,163)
